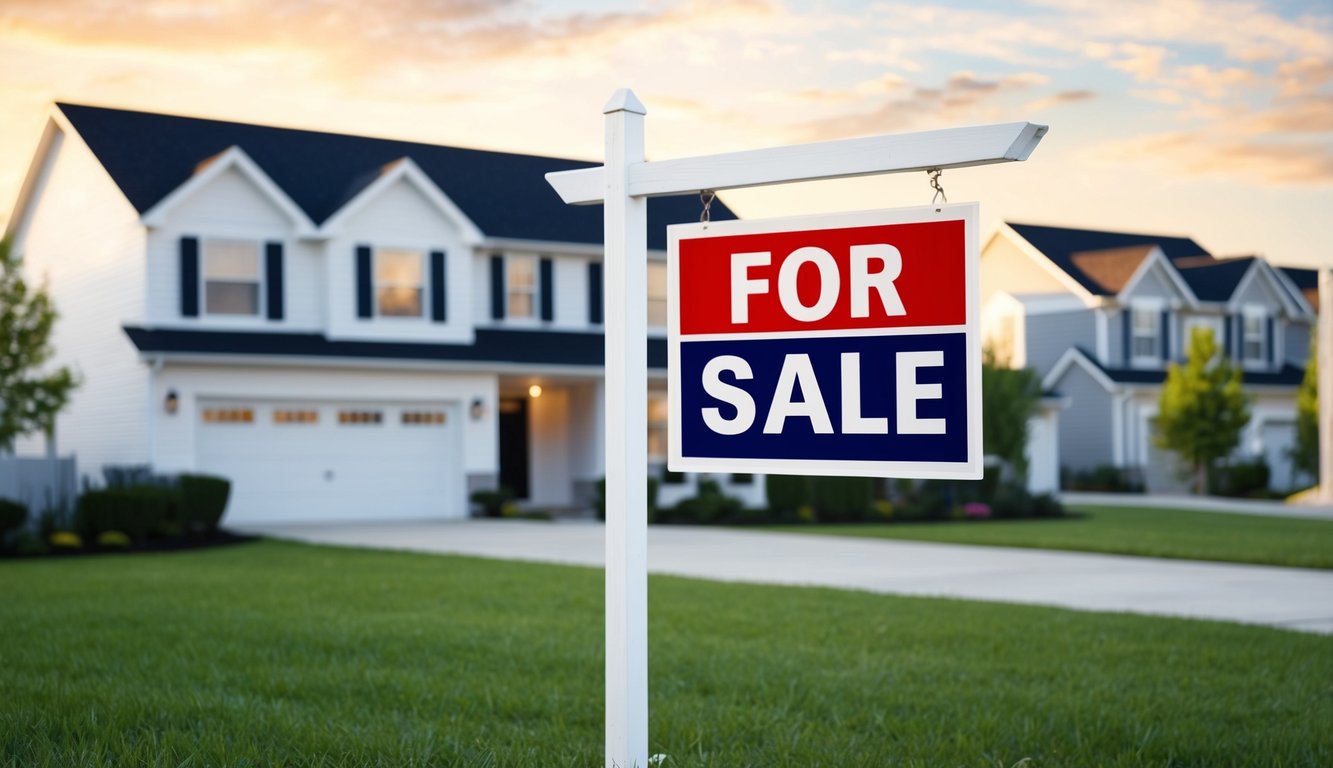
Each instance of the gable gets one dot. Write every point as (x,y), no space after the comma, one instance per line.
(1060,244)
(400,214)
(1156,282)
(1005,268)
(229,200)
(1259,287)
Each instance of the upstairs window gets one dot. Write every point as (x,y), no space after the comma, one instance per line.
(231,277)
(657,426)
(398,283)
(1146,330)
(521,286)
(1253,338)
(657,294)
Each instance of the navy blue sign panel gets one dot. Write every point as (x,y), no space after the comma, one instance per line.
(923,420)
(845,344)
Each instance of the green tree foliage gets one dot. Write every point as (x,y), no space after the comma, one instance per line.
(29,399)
(1009,397)
(1202,408)
(1305,454)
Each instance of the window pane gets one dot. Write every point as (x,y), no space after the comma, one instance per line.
(657,409)
(520,305)
(231,260)
(657,312)
(398,267)
(1145,321)
(522,272)
(1145,346)
(399,302)
(657,280)
(224,298)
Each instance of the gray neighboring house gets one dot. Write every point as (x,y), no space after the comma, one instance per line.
(1100,315)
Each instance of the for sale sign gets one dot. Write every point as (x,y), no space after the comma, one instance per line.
(844,344)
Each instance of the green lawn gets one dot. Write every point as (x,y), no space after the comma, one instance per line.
(281,654)
(1122,530)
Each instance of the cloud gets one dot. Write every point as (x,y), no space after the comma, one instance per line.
(1060,98)
(1197,153)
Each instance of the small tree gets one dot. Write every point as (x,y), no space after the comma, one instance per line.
(1305,454)
(1202,408)
(29,400)
(1009,397)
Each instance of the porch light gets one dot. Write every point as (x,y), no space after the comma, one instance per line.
(478,409)
(535,390)
(171,403)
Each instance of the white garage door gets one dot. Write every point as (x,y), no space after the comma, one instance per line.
(302,461)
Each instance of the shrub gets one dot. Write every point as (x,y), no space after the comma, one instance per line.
(710,505)
(138,511)
(841,499)
(1046,505)
(113,540)
(1243,478)
(787,494)
(203,500)
(127,475)
(493,501)
(66,540)
(13,515)
(26,543)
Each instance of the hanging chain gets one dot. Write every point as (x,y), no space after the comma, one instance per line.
(935,174)
(706,197)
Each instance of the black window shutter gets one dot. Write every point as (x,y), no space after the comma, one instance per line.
(546,285)
(595,292)
(189,273)
(1126,333)
(1228,330)
(1166,334)
(1272,348)
(497,287)
(364,285)
(273,279)
(437,306)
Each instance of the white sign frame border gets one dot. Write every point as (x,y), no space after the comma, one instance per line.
(969,469)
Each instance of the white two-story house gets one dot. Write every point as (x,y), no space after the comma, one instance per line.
(1100,315)
(346,327)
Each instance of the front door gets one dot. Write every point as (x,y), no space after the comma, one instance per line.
(514,445)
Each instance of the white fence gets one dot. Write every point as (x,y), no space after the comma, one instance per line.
(39,483)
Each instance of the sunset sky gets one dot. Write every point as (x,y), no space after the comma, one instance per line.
(1207,119)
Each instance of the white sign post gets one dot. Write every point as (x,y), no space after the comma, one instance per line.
(623,184)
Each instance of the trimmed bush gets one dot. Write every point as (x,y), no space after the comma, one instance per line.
(203,500)
(138,511)
(493,501)
(113,540)
(710,505)
(66,541)
(842,499)
(787,494)
(1241,479)
(13,515)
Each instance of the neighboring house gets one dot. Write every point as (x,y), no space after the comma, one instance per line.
(348,328)
(1100,315)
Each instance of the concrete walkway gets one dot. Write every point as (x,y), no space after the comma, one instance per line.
(1200,504)
(1291,598)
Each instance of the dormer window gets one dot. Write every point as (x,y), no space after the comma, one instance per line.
(399,286)
(231,277)
(1253,338)
(520,286)
(1147,325)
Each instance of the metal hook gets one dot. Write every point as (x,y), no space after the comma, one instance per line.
(934,174)
(706,197)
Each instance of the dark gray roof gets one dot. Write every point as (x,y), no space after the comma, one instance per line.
(506,195)
(1060,244)
(1287,376)
(1306,282)
(1214,279)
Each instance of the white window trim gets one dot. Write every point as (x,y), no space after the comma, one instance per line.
(535,319)
(261,301)
(1154,310)
(1260,315)
(375,284)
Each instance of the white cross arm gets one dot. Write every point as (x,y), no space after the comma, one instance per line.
(887,153)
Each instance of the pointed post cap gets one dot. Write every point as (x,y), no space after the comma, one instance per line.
(624,100)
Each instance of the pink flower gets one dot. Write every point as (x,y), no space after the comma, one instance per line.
(976,509)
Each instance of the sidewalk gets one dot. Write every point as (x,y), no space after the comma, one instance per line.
(1199,504)
(1290,598)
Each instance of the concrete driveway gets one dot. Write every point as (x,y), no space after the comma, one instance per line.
(1291,598)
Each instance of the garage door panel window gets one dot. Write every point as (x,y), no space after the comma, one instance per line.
(231,277)
(295,416)
(399,286)
(423,418)
(360,417)
(229,415)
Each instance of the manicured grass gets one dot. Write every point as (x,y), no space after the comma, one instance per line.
(1170,533)
(280,654)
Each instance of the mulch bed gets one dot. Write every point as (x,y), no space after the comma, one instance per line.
(219,538)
